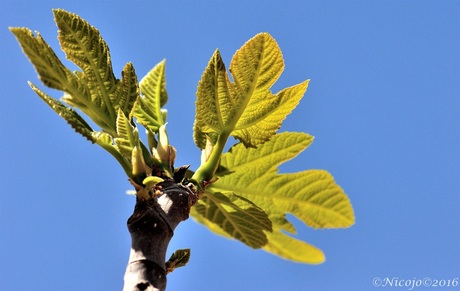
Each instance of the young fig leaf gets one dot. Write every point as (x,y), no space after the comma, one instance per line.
(147,109)
(178,259)
(83,45)
(245,108)
(70,115)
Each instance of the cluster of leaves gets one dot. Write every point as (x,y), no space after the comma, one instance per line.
(242,194)
(109,102)
(250,199)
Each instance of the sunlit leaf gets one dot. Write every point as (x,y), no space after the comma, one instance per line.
(153,85)
(254,129)
(244,197)
(128,90)
(312,195)
(50,69)
(147,109)
(83,45)
(151,181)
(292,249)
(215,106)
(245,108)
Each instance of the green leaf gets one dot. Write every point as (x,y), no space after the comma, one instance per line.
(53,73)
(96,92)
(128,90)
(245,108)
(128,136)
(258,126)
(49,68)
(70,115)
(293,249)
(83,45)
(233,216)
(153,85)
(216,108)
(178,259)
(311,195)
(151,181)
(147,109)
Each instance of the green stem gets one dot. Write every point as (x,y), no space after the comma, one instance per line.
(119,157)
(207,170)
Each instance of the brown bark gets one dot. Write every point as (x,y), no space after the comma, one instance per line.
(151,227)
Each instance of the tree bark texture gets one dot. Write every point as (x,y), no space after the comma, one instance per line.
(151,227)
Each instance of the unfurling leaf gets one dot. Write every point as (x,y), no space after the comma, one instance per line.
(137,160)
(70,115)
(128,136)
(255,129)
(242,195)
(178,259)
(83,45)
(128,90)
(147,109)
(215,108)
(50,69)
(151,181)
(98,95)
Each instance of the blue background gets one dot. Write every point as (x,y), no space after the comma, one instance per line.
(383,105)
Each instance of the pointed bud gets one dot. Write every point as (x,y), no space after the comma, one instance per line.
(172,155)
(206,152)
(138,161)
(151,139)
(164,114)
(163,150)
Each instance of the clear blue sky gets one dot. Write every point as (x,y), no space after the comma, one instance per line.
(383,105)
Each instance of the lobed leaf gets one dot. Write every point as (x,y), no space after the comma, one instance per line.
(254,129)
(312,196)
(83,45)
(50,69)
(234,216)
(95,90)
(53,73)
(245,108)
(257,65)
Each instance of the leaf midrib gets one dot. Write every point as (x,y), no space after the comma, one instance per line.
(94,68)
(252,88)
